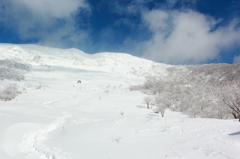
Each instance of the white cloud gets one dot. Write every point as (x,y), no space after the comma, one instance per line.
(157,20)
(236,59)
(47,21)
(51,8)
(186,37)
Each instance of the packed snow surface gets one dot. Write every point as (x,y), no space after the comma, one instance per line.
(56,117)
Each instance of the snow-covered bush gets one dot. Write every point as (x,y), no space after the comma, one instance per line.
(12,70)
(39,86)
(10,74)
(9,63)
(9,92)
(135,87)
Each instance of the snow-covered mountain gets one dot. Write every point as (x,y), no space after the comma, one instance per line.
(66,104)
(115,63)
(108,62)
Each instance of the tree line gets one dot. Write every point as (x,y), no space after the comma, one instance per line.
(207,91)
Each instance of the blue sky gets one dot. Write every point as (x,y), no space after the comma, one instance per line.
(166,31)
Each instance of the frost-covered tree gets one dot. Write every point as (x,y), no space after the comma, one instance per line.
(230,97)
(161,102)
(147,101)
(153,85)
(196,90)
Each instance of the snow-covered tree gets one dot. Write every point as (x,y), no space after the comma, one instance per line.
(197,90)
(230,97)
(147,101)
(161,102)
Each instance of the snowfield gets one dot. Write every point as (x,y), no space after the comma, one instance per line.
(100,118)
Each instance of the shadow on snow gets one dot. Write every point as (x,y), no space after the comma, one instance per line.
(236,133)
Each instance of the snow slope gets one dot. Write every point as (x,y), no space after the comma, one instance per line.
(57,118)
(107,62)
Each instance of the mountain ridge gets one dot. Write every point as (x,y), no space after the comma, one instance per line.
(117,63)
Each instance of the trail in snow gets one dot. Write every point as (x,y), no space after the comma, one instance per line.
(32,143)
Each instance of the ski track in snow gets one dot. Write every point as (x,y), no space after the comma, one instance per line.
(32,143)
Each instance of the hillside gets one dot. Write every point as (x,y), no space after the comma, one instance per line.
(46,114)
(108,62)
